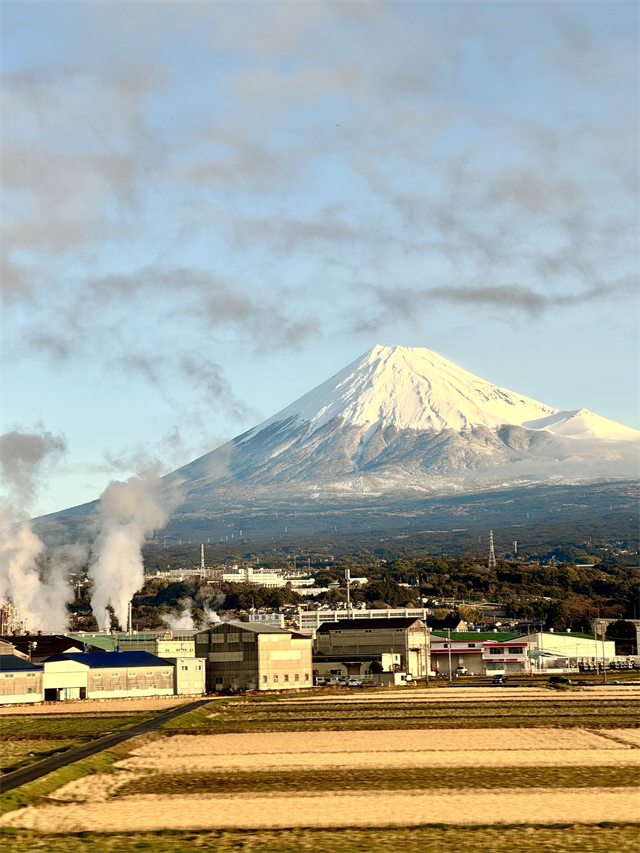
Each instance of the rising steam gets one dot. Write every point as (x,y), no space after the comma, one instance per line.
(127,513)
(38,589)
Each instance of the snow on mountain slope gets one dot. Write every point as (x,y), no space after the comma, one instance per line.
(583,424)
(412,388)
(409,388)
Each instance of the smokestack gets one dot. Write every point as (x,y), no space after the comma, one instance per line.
(202,558)
(130,617)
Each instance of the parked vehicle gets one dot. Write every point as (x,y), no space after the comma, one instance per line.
(499,679)
(343,681)
(319,681)
(461,670)
(559,679)
(354,682)
(408,678)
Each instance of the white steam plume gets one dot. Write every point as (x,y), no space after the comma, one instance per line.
(38,589)
(127,513)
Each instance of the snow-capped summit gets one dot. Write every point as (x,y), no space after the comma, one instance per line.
(411,388)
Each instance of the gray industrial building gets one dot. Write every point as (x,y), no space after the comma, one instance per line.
(401,644)
(251,656)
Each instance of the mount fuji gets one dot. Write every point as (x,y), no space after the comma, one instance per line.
(404,418)
(397,424)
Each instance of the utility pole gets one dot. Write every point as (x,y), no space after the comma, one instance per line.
(347,575)
(604,664)
(449,650)
(492,553)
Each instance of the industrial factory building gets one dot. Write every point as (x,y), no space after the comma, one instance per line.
(106,675)
(403,643)
(250,656)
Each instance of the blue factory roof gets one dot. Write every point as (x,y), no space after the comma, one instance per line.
(12,663)
(106,660)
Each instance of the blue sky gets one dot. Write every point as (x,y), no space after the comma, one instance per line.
(210,208)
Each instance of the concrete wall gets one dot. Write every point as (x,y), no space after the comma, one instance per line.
(190,676)
(472,661)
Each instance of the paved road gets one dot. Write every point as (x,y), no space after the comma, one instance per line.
(55,762)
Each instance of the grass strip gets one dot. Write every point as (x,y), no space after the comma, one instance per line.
(408,778)
(32,792)
(72,725)
(21,753)
(559,838)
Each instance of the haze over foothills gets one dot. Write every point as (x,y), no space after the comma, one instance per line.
(212,208)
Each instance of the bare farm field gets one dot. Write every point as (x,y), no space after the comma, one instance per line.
(276,784)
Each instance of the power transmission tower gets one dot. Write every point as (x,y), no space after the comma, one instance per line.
(492,553)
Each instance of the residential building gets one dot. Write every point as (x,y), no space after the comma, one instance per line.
(20,680)
(463,649)
(356,641)
(252,656)
(106,675)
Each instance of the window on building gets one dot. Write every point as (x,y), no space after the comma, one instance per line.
(445,645)
(265,678)
(136,687)
(296,677)
(306,676)
(286,678)
(199,667)
(233,638)
(97,676)
(185,669)
(149,674)
(8,675)
(494,651)
(99,687)
(367,673)
(166,672)
(115,674)
(217,638)
(117,687)
(367,630)
(472,645)
(31,675)
(218,680)
(275,678)
(515,650)
(31,689)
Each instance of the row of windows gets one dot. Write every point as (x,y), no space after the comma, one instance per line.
(97,675)
(512,650)
(11,674)
(115,687)
(276,678)
(197,668)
